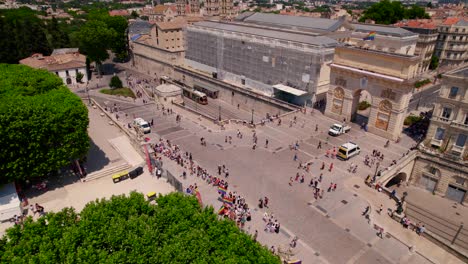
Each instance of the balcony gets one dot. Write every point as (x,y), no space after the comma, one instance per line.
(441,119)
(458,149)
(459,125)
(436,142)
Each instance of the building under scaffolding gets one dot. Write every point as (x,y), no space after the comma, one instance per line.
(290,65)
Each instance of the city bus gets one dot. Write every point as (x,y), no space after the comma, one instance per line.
(196,96)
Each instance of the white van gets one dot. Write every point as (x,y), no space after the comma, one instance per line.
(348,150)
(142,125)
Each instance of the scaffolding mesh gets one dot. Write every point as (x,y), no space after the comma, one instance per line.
(263,60)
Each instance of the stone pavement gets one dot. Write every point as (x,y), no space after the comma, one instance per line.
(421,246)
(328,224)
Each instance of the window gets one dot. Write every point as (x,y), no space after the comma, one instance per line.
(433,170)
(461,140)
(466,119)
(446,112)
(66,72)
(453,92)
(439,134)
(459,180)
(56,73)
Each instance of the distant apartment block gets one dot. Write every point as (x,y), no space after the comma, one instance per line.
(425,46)
(452,43)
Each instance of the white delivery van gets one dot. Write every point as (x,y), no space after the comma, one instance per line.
(348,150)
(141,124)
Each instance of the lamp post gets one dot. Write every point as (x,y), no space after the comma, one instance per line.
(252,116)
(376,169)
(87,93)
(219,113)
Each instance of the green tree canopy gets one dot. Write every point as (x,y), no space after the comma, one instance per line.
(115,82)
(131,230)
(95,38)
(22,34)
(43,125)
(389,12)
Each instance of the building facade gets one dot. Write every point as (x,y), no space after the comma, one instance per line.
(223,8)
(384,66)
(68,64)
(452,43)
(427,39)
(156,48)
(291,66)
(442,166)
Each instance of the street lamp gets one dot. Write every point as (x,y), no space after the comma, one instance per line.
(87,92)
(376,168)
(219,113)
(252,116)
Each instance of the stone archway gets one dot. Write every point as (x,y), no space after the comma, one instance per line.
(389,98)
(397,179)
(69,81)
(362,106)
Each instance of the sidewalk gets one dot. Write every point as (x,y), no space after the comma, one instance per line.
(420,244)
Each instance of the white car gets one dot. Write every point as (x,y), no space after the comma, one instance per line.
(141,124)
(338,129)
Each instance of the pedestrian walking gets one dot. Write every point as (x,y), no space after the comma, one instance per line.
(226,173)
(331,167)
(255,236)
(297,177)
(330,187)
(302,179)
(291,181)
(266,202)
(334,187)
(152,122)
(266,143)
(381,209)
(316,128)
(366,211)
(254,146)
(380,233)
(323,166)
(295,157)
(319,146)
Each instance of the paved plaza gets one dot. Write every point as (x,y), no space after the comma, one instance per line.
(325,226)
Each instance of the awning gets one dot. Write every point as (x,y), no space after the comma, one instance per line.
(289,89)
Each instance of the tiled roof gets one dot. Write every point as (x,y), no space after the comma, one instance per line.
(160,9)
(417,23)
(170,25)
(122,12)
(55,62)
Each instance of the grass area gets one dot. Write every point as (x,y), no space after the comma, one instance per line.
(119,91)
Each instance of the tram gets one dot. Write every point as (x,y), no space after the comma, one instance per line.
(196,96)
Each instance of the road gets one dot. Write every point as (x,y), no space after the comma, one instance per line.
(424,98)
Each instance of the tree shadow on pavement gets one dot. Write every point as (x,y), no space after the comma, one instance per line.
(96,159)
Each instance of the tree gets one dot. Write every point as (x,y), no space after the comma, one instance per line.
(95,38)
(115,82)
(434,62)
(119,44)
(43,124)
(131,230)
(79,77)
(389,12)
(57,38)
(23,34)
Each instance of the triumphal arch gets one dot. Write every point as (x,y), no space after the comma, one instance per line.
(386,78)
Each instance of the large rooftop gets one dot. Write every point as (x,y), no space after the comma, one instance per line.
(291,22)
(274,34)
(383,30)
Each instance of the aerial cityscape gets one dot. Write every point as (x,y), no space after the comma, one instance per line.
(234,131)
